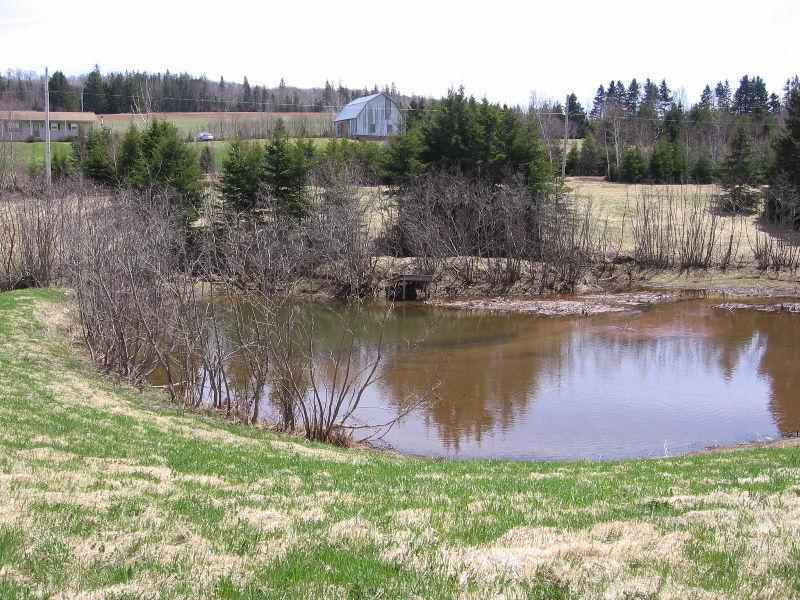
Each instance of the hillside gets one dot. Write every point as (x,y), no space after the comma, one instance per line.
(106,492)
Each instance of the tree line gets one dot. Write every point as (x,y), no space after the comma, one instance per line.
(646,133)
(136,91)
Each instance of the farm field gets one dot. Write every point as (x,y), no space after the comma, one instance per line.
(226,125)
(108,492)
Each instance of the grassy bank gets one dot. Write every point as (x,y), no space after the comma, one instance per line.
(109,492)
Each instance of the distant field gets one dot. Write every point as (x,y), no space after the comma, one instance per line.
(614,204)
(227,125)
(22,151)
(219,148)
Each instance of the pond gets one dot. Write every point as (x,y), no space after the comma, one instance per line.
(663,379)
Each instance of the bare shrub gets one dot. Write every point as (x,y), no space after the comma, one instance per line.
(340,230)
(776,254)
(678,230)
(36,235)
(471,231)
(782,205)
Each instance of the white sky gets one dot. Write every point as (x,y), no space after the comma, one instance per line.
(504,49)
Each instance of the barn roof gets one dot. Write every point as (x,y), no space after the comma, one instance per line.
(35,115)
(352,109)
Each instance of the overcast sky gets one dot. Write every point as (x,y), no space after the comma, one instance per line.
(504,49)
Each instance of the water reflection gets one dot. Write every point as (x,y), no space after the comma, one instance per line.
(671,378)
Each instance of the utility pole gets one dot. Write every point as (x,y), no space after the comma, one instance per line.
(566,138)
(47,174)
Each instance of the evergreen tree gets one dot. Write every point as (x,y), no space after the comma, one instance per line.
(650,95)
(722,95)
(703,170)
(598,103)
(738,173)
(706,99)
(751,97)
(247,95)
(94,93)
(221,94)
(591,158)
(673,120)
(286,172)
(243,173)
(662,166)
(451,134)
(129,155)
(62,165)
(783,202)
(573,160)
(664,97)
(577,116)
(157,159)
(634,166)
(62,94)
(791,85)
(774,103)
(97,163)
(632,96)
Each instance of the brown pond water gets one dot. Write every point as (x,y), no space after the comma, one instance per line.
(663,379)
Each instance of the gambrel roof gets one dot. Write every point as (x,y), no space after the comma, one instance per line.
(352,109)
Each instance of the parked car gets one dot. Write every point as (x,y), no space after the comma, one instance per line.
(204,136)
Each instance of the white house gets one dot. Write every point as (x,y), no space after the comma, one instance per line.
(25,125)
(374,116)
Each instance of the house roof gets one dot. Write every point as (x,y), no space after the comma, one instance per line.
(352,109)
(36,115)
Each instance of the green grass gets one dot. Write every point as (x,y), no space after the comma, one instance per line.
(23,151)
(189,124)
(107,490)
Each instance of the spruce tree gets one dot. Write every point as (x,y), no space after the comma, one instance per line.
(783,200)
(573,159)
(577,116)
(243,173)
(62,94)
(722,95)
(738,173)
(664,97)
(97,163)
(706,99)
(632,96)
(285,173)
(94,93)
(634,166)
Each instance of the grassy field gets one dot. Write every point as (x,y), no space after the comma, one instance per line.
(615,204)
(108,493)
(227,124)
(23,151)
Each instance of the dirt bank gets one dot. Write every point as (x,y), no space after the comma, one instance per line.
(585,305)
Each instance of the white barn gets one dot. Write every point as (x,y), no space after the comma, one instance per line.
(374,116)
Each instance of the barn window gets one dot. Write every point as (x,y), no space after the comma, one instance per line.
(390,128)
(372,127)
